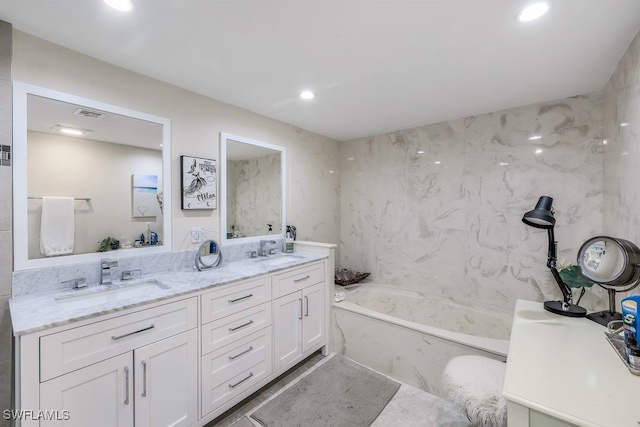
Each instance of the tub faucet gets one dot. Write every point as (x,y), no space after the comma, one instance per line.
(263,247)
(105,270)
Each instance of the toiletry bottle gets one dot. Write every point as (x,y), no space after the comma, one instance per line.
(288,241)
(270,231)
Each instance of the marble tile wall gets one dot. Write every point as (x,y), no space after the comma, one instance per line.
(6,234)
(438,208)
(314,204)
(622,132)
(257,194)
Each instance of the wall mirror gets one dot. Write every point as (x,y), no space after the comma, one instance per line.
(253,191)
(113,162)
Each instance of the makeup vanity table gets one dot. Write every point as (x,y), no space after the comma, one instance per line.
(562,372)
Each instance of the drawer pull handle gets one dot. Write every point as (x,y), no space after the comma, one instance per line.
(144,379)
(306,299)
(113,337)
(240,299)
(241,326)
(126,385)
(300,299)
(301,279)
(240,354)
(232,386)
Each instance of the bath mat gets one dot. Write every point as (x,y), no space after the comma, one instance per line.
(338,393)
(243,422)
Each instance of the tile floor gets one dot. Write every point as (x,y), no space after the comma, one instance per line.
(409,407)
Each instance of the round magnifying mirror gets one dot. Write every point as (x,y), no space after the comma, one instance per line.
(209,255)
(609,261)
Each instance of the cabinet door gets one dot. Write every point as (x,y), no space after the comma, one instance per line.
(287,319)
(100,395)
(166,382)
(313,317)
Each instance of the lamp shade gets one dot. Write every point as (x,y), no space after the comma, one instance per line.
(541,216)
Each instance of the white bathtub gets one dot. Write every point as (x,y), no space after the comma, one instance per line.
(411,335)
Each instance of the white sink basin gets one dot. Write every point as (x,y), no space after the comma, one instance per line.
(105,294)
(279,259)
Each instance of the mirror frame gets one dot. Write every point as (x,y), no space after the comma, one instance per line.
(21,259)
(224,137)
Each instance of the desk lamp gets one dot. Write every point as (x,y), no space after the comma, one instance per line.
(542,217)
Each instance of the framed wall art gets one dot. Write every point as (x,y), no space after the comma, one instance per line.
(145,195)
(198,183)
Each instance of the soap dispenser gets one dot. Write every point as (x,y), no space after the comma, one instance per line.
(288,241)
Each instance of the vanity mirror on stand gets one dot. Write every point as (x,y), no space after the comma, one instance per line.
(252,189)
(614,264)
(105,169)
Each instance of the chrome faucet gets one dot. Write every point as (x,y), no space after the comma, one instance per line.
(105,270)
(263,247)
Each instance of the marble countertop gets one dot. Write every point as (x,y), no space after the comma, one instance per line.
(36,312)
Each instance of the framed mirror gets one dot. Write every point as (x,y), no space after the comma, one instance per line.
(87,176)
(252,189)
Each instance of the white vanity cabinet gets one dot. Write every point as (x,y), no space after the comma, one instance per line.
(136,369)
(299,313)
(236,341)
(180,362)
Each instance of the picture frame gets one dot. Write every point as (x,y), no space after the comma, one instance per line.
(198,183)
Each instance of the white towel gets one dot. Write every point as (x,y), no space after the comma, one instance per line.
(57,226)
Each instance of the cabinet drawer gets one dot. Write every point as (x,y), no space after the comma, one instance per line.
(76,348)
(232,299)
(297,279)
(231,328)
(234,368)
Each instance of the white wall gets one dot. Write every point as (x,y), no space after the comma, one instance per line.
(196,122)
(76,167)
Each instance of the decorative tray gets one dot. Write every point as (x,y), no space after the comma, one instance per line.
(617,342)
(346,276)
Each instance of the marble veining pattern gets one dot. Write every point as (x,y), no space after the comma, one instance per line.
(622,132)
(407,355)
(438,208)
(258,195)
(30,313)
(426,309)
(314,206)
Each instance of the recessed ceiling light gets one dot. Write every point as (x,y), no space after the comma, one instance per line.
(539,151)
(350,158)
(604,142)
(624,125)
(534,137)
(420,152)
(437,162)
(121,5)
(533,11)
(503,163)
(307,94)
(70,131)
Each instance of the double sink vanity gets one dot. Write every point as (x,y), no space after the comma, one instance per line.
(172,346)
(168,349)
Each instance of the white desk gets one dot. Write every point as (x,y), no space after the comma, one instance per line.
(561,371)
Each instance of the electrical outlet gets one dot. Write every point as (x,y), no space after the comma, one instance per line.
(196,234)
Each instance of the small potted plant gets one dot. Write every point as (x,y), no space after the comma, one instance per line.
(108,244)
(573,277)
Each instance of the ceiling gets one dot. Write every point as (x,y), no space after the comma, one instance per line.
(375,65)
(45,114)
